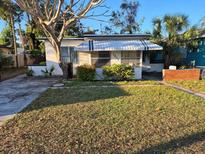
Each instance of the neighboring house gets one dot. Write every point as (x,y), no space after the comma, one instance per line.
(196,57)
(101,50)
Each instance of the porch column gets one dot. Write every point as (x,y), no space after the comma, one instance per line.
(138,69)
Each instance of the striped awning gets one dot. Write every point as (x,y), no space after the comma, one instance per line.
(118,45)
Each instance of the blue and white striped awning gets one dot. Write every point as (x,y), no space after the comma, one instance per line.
(118,45)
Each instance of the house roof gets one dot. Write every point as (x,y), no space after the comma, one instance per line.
(108,37)
(69,38)
(118,36)
(118,45)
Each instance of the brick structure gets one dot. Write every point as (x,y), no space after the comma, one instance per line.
(189,74)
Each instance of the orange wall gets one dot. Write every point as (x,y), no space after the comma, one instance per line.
(192,74)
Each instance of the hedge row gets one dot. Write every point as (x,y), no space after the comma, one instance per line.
(114,72)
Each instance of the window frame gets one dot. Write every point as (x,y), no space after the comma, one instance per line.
(135,60)
(97,56)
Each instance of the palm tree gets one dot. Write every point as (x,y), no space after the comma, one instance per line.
(157,23)
(176,34)
(175,25)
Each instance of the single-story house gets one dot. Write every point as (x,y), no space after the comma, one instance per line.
(100,50)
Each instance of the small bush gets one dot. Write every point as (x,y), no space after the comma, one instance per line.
(184,67)
(43,63)
(37,56)
(118,72)
(29,72)
(5,61)
(48,72)
(86,72)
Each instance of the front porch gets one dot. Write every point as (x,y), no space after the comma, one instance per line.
(103,53)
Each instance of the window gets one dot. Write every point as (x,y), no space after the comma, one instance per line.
(68,55)
(131,57)
(65,54)
(74,55)
(156,57)
(101,58)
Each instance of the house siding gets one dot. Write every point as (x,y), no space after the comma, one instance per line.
(197,56)
(84,58)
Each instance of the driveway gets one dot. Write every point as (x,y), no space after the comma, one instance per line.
(17,93)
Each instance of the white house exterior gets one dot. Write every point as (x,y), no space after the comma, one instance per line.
(101,50)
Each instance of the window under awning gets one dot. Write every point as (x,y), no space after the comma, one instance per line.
(118,45)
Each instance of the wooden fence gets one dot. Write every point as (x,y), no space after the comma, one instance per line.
(23,60)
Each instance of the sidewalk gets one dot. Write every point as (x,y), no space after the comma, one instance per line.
(19,92)
(198,94)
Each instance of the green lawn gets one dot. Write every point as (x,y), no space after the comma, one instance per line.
(116,119)
(107,83)
(197,86)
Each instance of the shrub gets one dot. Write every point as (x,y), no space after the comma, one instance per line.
(86,72)
(184,67)
(37,56)
(48,72)
(29,72)
(5,61)
(118,72)
(43,63)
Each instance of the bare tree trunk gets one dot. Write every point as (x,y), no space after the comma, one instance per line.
(14,39)
(63,65)
(167,61)
(57,47)
(21,36)
(23,44)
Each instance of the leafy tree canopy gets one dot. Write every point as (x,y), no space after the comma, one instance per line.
(125,19)
(5,36)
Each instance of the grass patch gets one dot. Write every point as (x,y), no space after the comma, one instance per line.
(108,83)
(108,120)
(197,86)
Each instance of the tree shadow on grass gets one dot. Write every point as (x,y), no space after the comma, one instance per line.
(73,95)
(174,144)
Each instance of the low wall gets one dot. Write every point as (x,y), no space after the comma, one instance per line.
(99,72)
(189,74)
(37,70)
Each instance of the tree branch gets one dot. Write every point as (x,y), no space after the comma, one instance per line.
(50,13)
(57,12)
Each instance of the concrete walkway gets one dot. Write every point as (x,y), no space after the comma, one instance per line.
(184,89)
(17,93)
